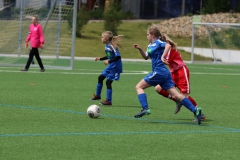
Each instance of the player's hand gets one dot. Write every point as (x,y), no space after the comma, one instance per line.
(164,60)
(26,45)
(97,59)
(106,62)
(136,46)
(41,45)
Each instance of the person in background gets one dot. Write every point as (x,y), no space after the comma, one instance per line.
(36,39)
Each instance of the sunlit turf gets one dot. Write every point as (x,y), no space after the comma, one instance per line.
(43,115)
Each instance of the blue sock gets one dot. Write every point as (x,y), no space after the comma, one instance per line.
(188,104)
(143,100)
(109,95)
(99,89)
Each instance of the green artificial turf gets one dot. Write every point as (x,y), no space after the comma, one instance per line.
(43,116)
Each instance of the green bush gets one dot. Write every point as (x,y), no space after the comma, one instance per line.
(83,17)
(113,16)
(42,12)
(215,6)
(128,15)
(97,14)
(217,40)
(234,37)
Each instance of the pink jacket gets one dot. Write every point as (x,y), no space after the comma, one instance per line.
(35,35)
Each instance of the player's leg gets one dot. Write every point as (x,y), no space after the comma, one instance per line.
(108,101)
(36,53)
(99,86)
(186,102)
(165,94)
(181,80)
(162,92)
(30,58)
(111,76)
(168,85)
(142,97)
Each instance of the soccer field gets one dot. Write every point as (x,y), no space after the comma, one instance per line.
(43,116)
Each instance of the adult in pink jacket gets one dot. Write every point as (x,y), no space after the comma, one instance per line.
(36,39)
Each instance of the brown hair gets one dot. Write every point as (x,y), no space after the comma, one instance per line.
(156,32)
(36,17)
(165,38)
(113,39)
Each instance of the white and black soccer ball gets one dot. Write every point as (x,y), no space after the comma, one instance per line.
(94,111)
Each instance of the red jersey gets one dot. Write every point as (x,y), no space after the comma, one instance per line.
(175,60)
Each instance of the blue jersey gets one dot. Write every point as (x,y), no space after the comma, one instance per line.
(154,52)
(111,53)
(160,74)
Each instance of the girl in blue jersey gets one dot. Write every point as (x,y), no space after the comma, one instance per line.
(114,66)
(160,75)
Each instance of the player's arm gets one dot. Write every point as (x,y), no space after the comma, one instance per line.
(100,59)
(41,36)
(144,55)
(28,38)
(114,59)
(165,52)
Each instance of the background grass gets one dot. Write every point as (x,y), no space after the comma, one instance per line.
(90,45)
(43,116)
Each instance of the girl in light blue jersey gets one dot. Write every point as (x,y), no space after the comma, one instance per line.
(160,75)
(114,66)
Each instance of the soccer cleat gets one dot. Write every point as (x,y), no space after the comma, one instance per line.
(178,107)
(95,97)
(106,103)
(203,118)
(42,70)
(199,115)
(24,70)
(143,113)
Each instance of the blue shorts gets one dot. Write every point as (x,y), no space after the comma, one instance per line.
(111,75)
(164,80)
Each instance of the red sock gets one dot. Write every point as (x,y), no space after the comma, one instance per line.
(165,94)
(192,100)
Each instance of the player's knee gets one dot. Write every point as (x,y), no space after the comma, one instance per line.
(101,78)
(109,84)
(157,88)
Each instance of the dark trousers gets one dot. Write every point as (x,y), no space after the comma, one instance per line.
(34,52)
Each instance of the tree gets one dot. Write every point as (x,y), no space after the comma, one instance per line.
(215,6)
(113,16)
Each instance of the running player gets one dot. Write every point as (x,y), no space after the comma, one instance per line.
(180,75)
(114,66)
(160,75)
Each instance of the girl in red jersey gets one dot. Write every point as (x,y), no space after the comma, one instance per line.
(36,39)
(180,75)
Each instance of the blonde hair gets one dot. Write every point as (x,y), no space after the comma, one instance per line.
(113,39)
(156,32)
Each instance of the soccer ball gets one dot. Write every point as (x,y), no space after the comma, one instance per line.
(94,111)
